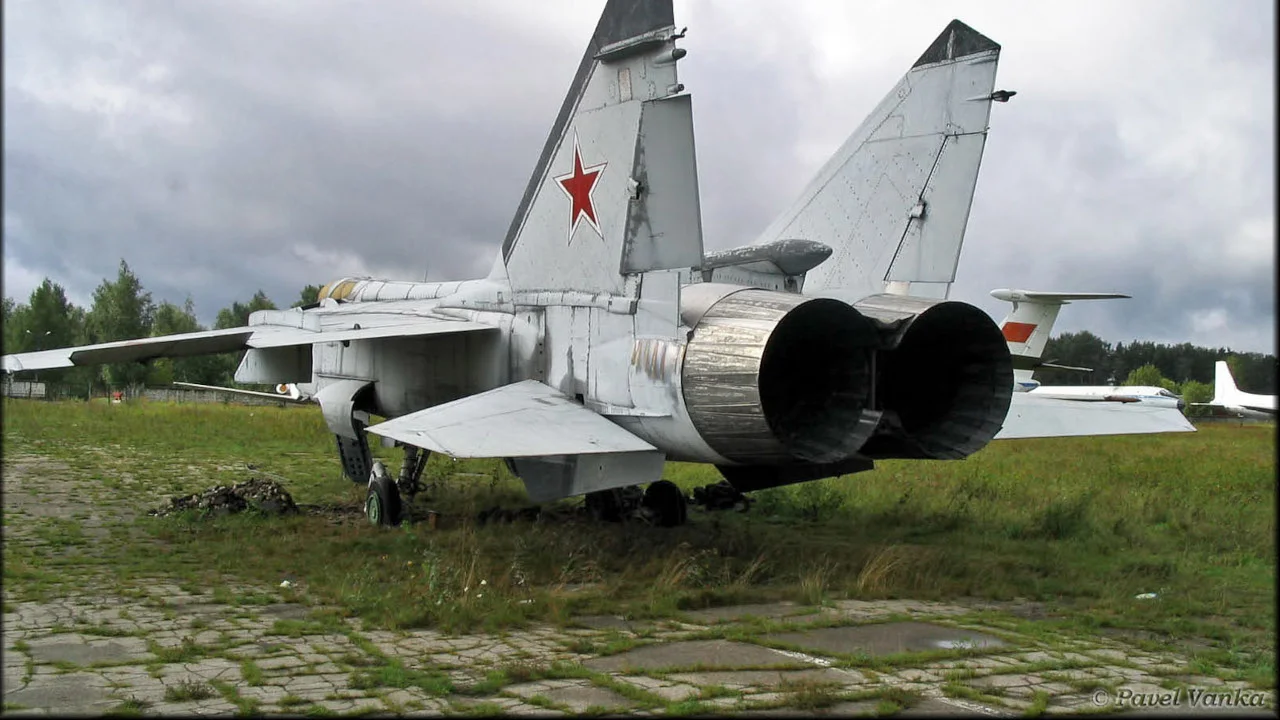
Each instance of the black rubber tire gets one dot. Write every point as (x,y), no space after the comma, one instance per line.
(382,502)
(667,503)
(603,505)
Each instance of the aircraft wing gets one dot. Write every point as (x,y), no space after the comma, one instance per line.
(209,342)
(240,391)
(1030,417)
(524,419)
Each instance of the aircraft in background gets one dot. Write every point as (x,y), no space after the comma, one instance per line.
(1027,328)
(1110,410)
(1234,400)
(605,342)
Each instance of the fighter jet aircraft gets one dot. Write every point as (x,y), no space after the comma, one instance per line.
(604,341)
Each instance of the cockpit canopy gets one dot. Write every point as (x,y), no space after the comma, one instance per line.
(339,289)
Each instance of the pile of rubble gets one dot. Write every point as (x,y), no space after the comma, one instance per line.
(264,496)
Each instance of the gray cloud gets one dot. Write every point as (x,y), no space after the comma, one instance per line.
(225,147)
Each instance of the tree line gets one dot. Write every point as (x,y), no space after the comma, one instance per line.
(123,310)
(1184,368)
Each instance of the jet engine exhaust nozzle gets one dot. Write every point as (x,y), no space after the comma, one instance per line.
(772,377)
(945,387)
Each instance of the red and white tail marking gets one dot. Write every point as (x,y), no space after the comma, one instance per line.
(1018,332)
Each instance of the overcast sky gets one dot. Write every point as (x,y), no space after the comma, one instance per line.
(225,146)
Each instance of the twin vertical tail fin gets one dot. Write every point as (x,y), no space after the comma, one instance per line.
(894,200)
(1027,327)
(615,190)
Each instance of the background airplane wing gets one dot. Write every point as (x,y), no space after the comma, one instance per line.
(242,338)
(1030,416)
(238,391)
(524,419)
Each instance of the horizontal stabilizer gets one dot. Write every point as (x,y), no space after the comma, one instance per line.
(210,342)
(525,419)
(1032,362)
(1045,297)
(1031,417)
(781,257)
(1056,366)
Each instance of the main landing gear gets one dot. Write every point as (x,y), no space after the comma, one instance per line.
(382,503)
(662,504)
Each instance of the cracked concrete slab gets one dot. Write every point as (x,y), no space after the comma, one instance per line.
(886,638)
(78,651)
(697,653)
(579,698)
(771,611)
(75,693)
(768,678)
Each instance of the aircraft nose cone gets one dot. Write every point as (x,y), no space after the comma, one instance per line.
(1182,404)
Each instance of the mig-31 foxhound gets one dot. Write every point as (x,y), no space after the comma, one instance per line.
(604,341)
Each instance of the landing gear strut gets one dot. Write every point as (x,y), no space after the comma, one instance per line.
(415,461)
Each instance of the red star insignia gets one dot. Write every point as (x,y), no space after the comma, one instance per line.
(578,186)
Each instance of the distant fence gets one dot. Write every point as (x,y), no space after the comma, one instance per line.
(24,389)
(1225,420)
(181,394)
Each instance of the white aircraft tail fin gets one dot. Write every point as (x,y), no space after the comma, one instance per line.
(894,200)
(1027,327)
(615,189)
(1225,391)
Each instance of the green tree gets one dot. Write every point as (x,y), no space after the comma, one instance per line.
(122,310)
(48,323)
(309,296)
(1150,376)
(172,320)
(1078,349)
(1194,391)
(237,316)
(16,325)
(6,321)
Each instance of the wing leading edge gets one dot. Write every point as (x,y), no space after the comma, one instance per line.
(209,342)
(524,419)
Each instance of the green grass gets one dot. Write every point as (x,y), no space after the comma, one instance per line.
(251,673)
(1081,525)
(188,690)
